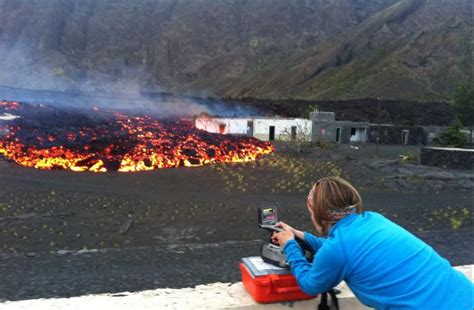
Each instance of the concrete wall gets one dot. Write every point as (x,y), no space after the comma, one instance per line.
(231,296)
(321,126)
(447,157)
(392,134)
(229,125)
(359,134)
(320,116)
(261,128)
(324,131)
(328,131)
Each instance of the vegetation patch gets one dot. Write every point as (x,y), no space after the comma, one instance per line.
(283,174)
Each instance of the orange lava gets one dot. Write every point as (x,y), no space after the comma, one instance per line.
(118,142)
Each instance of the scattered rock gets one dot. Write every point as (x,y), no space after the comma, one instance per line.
(382,163)
(30,254)
(388,169)
(467,176)
(126,225)
(403,183)
(437,175)
(84,251)
(436,185)
(406,171)
(424,187)
(465,184)
(211,231)
(62,252)
(26,216)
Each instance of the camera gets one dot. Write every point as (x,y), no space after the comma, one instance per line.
(272,253)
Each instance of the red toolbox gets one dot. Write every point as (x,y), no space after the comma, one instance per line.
(267,283)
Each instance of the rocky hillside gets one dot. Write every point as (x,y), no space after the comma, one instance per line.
(302,49)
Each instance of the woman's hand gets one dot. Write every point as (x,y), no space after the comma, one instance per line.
(298,233)
(284,226)
(282,237)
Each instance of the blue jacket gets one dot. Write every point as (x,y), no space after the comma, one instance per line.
(385,266)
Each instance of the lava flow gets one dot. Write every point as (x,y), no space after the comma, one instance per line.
(44,137)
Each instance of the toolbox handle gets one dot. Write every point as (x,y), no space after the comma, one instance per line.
(287,289)
(274,280)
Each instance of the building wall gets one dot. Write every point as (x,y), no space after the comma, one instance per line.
(359,134)
(324,131)
(320,116)
(314,130)
(392,134)
(328,131)
(261,128)
(238,126)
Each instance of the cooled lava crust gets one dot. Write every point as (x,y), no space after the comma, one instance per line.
(47,137)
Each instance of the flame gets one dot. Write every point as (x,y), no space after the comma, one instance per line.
(123,143)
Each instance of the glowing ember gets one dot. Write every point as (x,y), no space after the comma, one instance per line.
(48,138)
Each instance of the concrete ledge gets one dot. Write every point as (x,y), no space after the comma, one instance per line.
(211,296)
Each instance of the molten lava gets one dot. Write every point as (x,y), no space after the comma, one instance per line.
(49,138)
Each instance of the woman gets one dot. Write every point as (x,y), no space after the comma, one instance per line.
(385,266)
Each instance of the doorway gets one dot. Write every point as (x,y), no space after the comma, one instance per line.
(405,136)
(293,133)
(250,128)
(221,129)
(271,133)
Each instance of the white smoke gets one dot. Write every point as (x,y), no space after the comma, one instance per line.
(39,78)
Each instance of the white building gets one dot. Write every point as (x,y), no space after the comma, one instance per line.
(262,128)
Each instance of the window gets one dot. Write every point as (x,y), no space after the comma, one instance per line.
(353,131)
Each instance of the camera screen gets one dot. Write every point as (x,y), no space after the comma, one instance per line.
(269,215)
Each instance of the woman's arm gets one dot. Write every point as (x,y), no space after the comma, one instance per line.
(326,271)
(312,241)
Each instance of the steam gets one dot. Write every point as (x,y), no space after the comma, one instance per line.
(31,76)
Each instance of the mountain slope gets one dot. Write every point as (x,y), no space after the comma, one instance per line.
(307,49)
(412,50)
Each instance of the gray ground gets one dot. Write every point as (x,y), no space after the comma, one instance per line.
(188,226)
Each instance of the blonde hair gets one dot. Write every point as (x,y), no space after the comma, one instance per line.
(332,198)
